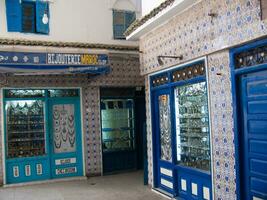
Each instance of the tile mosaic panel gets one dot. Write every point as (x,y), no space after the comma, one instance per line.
(149,134)
(222,125)
(125,72)
(194,33)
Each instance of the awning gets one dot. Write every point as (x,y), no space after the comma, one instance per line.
(23,63)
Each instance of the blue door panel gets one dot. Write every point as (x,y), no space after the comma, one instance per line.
(257,107)
(253,139)
(257,88)
(188,177)
(256,127)
(70,163)
(258,186)
(40,172)
(259,147)
(258,167)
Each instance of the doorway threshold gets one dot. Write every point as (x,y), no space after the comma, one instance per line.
(79,178)
(161,192)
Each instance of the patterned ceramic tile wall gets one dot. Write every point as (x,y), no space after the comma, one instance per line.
(149,134)
(129,75)
(125,72)
(222,127)
(194,33)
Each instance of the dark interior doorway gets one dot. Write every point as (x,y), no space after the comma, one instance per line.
(122,124)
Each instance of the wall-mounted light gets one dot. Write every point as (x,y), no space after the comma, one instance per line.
(159,58)
(45,18)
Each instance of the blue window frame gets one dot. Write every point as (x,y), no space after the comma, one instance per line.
(27,16)
(121,21)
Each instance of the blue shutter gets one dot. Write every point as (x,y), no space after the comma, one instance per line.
(129,18)
(13,15)
(41,9)
(118,24)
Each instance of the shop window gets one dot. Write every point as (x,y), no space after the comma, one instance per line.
(264,9)
(27,16)
(192,126)
(25,128)
(117,125)
(121,21)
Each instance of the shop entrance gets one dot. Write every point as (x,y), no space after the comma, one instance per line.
(181,135)
(122,125)
(253,137)
(65,133)
(42,134)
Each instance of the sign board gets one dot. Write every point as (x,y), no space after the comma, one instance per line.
(53,63)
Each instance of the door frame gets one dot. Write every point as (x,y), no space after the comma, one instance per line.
(235,76)
(151,96)
(83,140)
(156,133)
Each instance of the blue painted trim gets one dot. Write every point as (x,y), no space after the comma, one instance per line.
(235,74)
(168,89)
(46,159)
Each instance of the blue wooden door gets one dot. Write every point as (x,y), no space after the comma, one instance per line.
(65,138)
(162,141)
(253,136)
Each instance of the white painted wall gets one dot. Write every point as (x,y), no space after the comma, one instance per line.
(87,21)
(148,5)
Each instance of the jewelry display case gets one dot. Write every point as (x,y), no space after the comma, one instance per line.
(25,128)
(192,126)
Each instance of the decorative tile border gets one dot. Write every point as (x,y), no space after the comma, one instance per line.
(222,126)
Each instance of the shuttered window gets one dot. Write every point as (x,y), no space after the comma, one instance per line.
(27,16)
(264,9)
(121,21)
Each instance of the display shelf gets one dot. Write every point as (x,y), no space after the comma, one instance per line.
(26,140)
(25,128)
(194,147)
(192,126)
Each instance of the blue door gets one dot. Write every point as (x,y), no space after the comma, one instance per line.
(162,141)
(253,136)
(65,137)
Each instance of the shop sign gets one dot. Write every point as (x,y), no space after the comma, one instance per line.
(65,161)
(61,62)
(69,170)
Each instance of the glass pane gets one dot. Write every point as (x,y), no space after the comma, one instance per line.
(165,127)
(25,128)
(64,128)
(192,126)
(117,124)
(63,93)
(24,93)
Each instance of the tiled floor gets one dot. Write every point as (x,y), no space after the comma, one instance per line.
(128,186)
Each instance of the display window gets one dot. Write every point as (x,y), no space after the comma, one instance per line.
(192,126)
(42,133)
(181,133)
